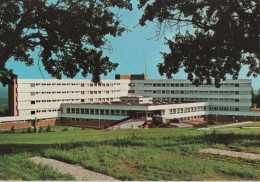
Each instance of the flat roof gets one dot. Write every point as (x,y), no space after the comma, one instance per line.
(130,104)
(135,97)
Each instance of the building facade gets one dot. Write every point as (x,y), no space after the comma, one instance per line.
(47,98)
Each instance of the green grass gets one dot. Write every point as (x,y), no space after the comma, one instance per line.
(156,154)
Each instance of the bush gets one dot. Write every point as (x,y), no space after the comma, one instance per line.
(145,123)
(12,129)
(48,129)
(65,129)
(40,130)
(29,130)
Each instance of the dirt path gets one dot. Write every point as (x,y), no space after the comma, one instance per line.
(78,172)
(231,153)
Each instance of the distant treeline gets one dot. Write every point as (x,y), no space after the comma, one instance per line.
(3,91)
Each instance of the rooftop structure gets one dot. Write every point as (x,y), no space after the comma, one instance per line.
(136,100)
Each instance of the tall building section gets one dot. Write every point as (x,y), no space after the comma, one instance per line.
(233,95)
(43,98)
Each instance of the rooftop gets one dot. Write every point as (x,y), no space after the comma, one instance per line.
(129,104)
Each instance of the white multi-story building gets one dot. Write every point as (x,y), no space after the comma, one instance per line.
(43,98)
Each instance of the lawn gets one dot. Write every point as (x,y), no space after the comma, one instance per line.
(156,154)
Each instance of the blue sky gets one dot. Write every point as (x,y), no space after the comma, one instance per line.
(130,51)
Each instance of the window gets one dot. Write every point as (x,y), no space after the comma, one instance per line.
(82,111)
(32,84)
(68,110)
(236,109)
(32,112)
(82,92)
(82,100)
(236,100)
(236,85)
(32,93)
(112,112)
(32,102)
(77,111)
(82,85)
(73,110)
(236,92)
(117,112)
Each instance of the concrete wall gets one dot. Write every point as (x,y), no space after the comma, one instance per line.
(231,119)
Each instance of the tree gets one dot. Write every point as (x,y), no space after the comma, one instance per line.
(70,35)
(225,37)
(256,98)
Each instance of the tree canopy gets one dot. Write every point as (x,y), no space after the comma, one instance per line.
(70,35)
(256,98)
(225,37)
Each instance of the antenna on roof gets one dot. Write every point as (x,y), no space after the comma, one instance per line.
(144,63)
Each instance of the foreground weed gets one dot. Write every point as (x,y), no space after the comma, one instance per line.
(18,167)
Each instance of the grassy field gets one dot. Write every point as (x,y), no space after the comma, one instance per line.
(156,154)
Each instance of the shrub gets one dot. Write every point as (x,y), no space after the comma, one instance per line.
(40,130)
(48,129)
(65,129)
(29,130)
(12,129)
